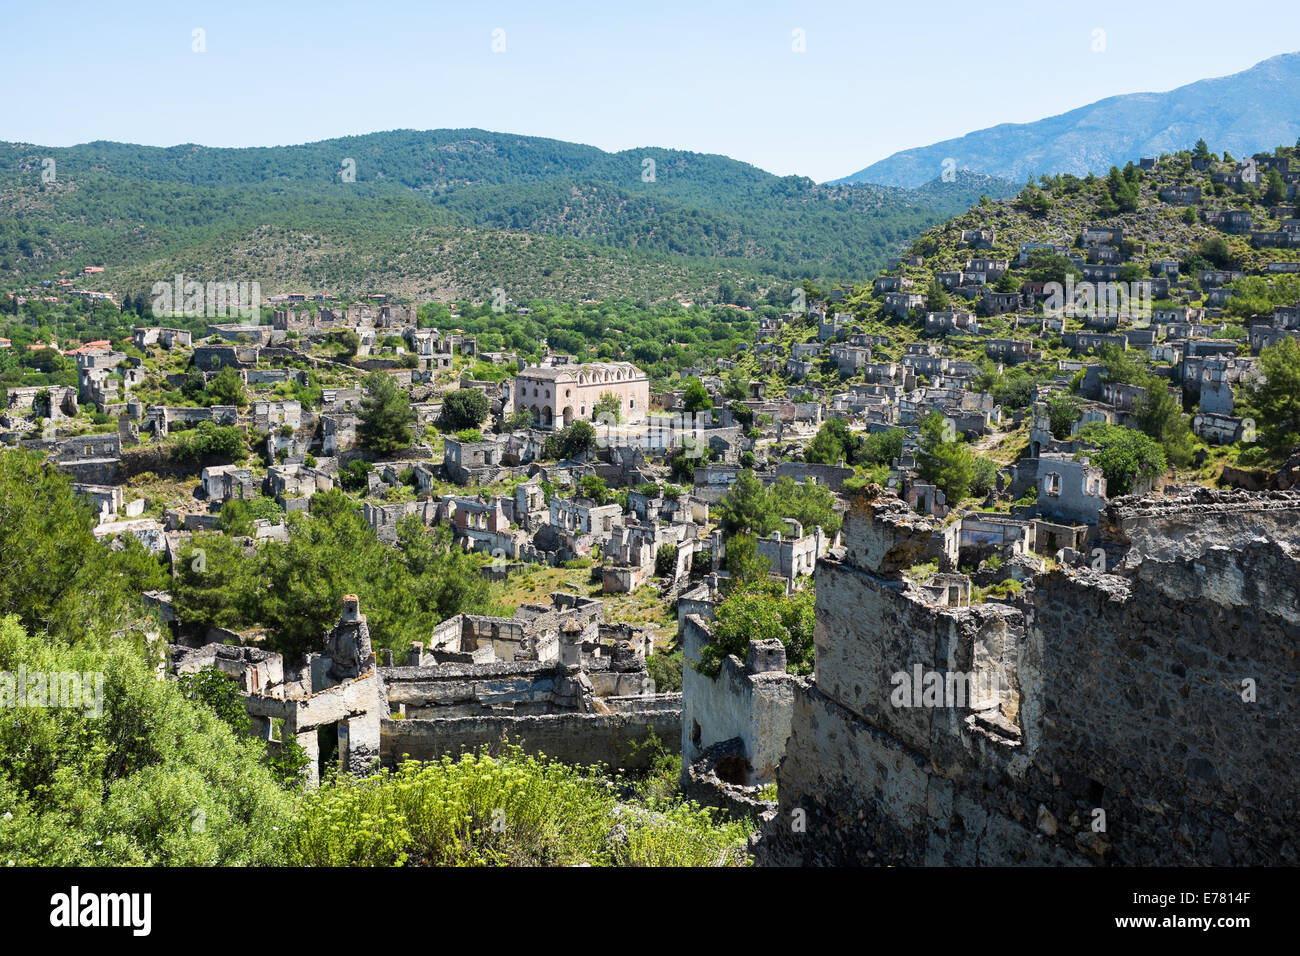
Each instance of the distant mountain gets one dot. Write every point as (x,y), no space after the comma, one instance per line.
(1242,113)
(419,204)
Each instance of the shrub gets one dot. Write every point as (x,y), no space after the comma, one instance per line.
(127,786)
(666,671)
(354,476)
(514,809)
(464,408)
(762,612)
(210,441)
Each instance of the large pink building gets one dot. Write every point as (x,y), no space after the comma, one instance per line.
(562,395)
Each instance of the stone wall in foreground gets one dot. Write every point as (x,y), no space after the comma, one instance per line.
(1140,718)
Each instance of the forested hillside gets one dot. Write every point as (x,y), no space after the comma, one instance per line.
(424,212)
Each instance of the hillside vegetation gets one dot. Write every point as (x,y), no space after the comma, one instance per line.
(446,214)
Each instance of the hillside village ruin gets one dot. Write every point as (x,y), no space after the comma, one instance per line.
(1124,664)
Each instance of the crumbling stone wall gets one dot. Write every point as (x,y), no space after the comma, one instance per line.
(1140,718)
(618,740)
(749,701)
(461,690)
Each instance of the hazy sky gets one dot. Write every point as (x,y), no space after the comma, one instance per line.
(712,77)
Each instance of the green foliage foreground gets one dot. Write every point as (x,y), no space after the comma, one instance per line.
(149,773)
(139,776)
(514,809)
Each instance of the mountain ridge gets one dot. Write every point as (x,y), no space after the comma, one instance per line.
(1243,112)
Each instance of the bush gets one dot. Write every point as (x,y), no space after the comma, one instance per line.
(153,780)
(354,476)
(571,442)
(666,671)
(464,408)
(984,476)
(514,809)
(225,442)
(762,612)
(238,514)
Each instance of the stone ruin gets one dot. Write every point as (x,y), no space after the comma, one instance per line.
(557,680)
(331,705)
(1139,715)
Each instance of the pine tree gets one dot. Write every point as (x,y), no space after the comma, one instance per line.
(385,415)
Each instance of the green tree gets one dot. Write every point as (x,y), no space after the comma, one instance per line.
(1007,283)
(124,782)
(227,388)
(517,421)
(936,297)
(1062,412)
(209,441)
(762,612)
(573,441)
(355,475)
(827,446)
(746,507)
(1274,187)
(213,689)
(54,575)
(193,385)
(881,448)
(695,398)
(1124,455)
(1120,367)
(1044,265)
(595,488)
(1275,398)
(464,408)
(1215,251)
(665,560)
(735,388)
(608,409)
(948,465)
(810,503)
(665,669)
(1158,415)
(238,514)
(745,566)
(444,580)
(984,475)
(350,341)
(385,415)
(217,584)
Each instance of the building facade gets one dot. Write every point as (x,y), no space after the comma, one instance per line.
(560,396)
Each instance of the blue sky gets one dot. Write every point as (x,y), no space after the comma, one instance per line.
(711,77)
